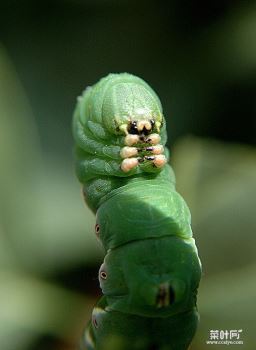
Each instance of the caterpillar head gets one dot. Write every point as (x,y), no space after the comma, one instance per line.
(131,108)
(155,277)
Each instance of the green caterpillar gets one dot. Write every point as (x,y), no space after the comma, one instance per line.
(151,271)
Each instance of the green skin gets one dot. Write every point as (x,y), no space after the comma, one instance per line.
(151,270)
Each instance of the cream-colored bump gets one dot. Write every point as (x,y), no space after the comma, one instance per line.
(128,164)
(158,149)
(160,161)
(131,139)
(127,152)
(154,139)
(158,126)
(124,128)
(98,311)
(143,123)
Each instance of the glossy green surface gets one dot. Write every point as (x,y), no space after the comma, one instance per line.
(115,330)
(100,113)
(151,270)
(142,210)
(114,99)
(136,271)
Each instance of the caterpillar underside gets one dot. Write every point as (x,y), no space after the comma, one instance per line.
(151,270)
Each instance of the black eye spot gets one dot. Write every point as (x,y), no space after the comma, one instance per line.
(149,157)
(145,131)
(97,229)
(103,275)
(152,122)
(133,128)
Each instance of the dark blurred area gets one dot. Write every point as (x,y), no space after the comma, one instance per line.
(200,58)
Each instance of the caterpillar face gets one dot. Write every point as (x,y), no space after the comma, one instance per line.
(130,108)
(133,110)
(141,122)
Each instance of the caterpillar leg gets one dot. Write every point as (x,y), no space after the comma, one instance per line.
(158,161)
(88,166)
(134,156)
(151,162)
(127,152)
(96,148)
(139,142)
(118,156)
(131,139)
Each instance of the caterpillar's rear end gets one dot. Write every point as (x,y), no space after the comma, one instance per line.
(151,270)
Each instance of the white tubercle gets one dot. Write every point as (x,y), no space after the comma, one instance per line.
(158,149)
(128,164)
(143,123)
(154,139)
(127,152)
(131,139)
(160,161)
(124,128)
(158,126)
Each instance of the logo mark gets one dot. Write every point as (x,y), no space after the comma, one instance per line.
(225,337)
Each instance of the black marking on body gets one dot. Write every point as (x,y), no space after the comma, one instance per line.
(145,132)
(149,157)
(152,122)
(133,129)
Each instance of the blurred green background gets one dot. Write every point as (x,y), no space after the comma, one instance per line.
(200,57)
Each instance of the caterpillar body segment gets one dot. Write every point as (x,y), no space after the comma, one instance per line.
(136,332)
